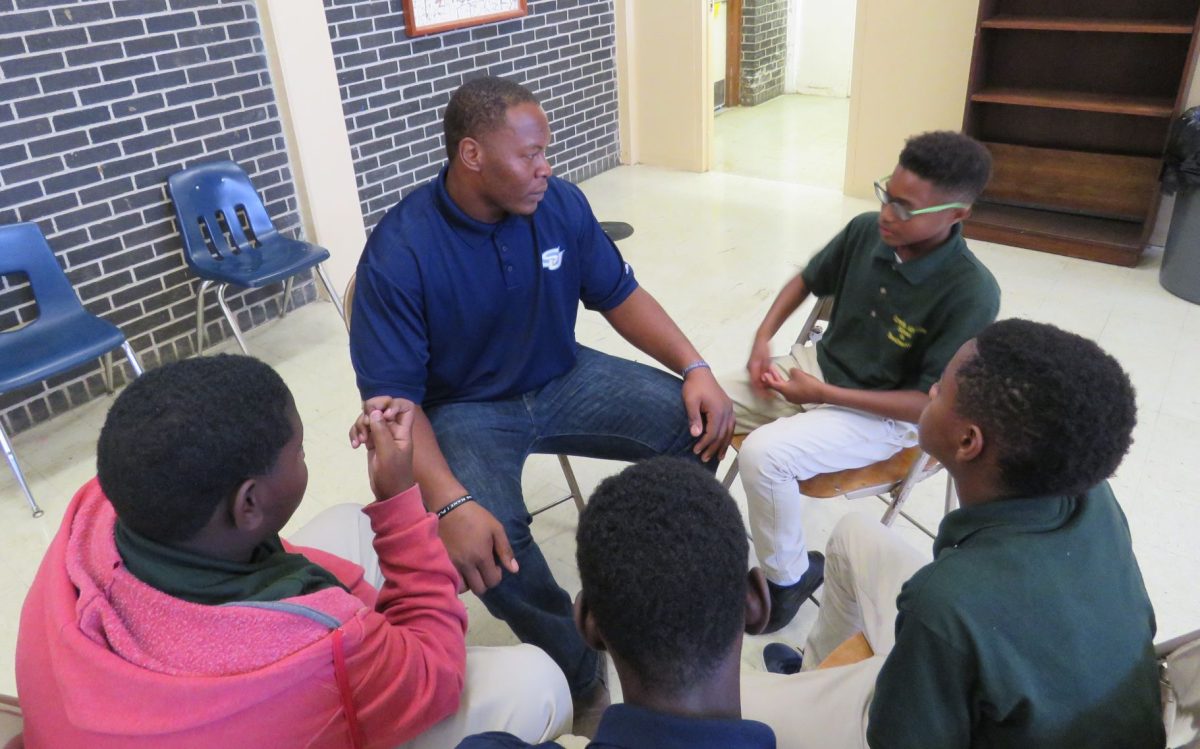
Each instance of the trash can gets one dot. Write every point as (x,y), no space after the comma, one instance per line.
(1180,272)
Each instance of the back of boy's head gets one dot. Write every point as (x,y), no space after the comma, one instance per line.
(662,557)
(956,164)
(1058,410)
(182,438)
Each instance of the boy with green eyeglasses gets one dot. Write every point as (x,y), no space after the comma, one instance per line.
(907,293)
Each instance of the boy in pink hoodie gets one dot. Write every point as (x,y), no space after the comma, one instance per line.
(168,612)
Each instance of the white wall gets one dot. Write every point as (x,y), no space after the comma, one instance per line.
(820,47)
(716,41)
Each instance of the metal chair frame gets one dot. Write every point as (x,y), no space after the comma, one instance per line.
(893,494)
(564,462)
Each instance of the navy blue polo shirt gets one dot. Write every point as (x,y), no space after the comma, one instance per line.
(449,309)
(630,727)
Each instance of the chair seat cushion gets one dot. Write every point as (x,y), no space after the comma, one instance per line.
(273,261)
(46,347)
(882,474)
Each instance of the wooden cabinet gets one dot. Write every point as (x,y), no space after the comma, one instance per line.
(1074,99)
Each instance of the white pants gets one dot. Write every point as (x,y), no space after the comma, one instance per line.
(866,565)
(517,689)
(790,443)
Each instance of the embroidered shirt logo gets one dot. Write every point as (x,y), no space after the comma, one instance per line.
(904,333)
(552,258)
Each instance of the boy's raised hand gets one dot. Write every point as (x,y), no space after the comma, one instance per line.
(390,449)
(360,430)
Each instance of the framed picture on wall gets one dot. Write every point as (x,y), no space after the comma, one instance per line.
(432,16)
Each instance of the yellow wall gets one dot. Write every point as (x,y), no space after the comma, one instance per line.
(305,78)
(911,60)
(664,91)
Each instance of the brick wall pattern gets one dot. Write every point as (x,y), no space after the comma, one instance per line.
(394,88)
(764,50)
(99,102)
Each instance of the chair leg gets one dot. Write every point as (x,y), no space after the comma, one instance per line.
(134,364)
(108,373)
(730,475)
(200,316)
(16,469)
(571,482)
(237,333)
(337,299)
(287,296)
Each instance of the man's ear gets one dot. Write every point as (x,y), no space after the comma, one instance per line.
(245,508)
(586,624)
(470,153)
(758,602)
(970,444)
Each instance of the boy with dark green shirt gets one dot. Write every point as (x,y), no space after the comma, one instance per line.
(1032,626)
(907,293)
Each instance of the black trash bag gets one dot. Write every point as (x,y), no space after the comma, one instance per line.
(1181,165)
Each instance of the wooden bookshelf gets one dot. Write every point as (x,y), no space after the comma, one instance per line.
(1074,99)
(1097,25)
(1080,101)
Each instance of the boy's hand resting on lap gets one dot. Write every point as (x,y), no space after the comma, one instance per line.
(390,449)
(801,389)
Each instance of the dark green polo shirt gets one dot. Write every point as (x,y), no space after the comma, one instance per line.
(1031,628)
(895,326)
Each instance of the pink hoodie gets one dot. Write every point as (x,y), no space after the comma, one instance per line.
(104,660)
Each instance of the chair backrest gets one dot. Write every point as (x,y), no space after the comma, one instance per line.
(219,212)
(23,249)
(1179,664)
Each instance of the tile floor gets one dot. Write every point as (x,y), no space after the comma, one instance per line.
(815,128)
(714,248)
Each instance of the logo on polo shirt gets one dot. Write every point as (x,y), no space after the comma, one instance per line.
(904,333)
(552,258)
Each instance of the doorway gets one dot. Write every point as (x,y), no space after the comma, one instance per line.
(788,119)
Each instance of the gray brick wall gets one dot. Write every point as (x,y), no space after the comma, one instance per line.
(99,102)
(395,88)
(764,50)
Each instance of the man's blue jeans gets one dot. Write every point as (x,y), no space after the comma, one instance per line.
(604,407)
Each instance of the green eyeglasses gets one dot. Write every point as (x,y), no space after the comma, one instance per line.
(904,213)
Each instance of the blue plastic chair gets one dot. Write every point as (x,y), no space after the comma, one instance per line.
(228,239)
(63,336)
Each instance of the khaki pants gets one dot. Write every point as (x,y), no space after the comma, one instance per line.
(789,444)
(866,565)
(517,689)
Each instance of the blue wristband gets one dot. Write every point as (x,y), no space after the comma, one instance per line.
(700,364)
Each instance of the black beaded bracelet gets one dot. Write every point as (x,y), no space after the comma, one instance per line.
(460,501)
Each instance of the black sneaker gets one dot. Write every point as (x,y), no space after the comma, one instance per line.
(781,658)
(787,599)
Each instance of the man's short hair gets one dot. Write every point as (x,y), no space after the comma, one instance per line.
(956,164)
(663,556)
(1058,410)
(480,106)
(180,439)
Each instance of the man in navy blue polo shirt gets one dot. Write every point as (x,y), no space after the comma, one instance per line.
(465,304)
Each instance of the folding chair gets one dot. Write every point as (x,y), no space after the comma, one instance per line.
(1179,677)
(563,461)
(228,239)
(891,480)
(63,336)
